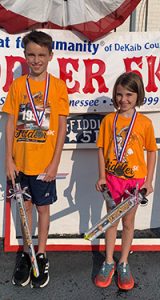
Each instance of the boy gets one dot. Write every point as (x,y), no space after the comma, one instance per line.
(37,107)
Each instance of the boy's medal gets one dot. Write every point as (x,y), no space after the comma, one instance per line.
(39,133)
(37,115)
(119,155)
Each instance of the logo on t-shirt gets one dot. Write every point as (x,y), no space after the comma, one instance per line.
(27,129)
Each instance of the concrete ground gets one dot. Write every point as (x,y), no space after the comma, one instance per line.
(71,275)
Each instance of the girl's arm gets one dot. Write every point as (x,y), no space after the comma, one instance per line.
(151,161)
(101,165)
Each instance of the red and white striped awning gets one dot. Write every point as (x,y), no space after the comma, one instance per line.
(92,18)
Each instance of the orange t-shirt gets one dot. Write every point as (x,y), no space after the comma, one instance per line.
(34,146)
(141,138)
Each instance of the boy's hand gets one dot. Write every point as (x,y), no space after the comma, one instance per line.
(51,172)
(11,170)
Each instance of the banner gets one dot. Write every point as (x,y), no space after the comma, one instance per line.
(90,68)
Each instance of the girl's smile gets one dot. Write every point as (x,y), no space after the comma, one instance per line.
(126,101)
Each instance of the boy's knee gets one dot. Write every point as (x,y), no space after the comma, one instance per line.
(28,206)
(42,209)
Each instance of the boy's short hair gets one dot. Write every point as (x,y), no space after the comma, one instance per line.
(132,82)
(39,37)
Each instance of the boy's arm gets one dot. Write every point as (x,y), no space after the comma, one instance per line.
(102,175)
(151,160)
(10,164)
(51,170)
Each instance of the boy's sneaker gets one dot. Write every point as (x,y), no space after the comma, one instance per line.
(125,279)
(104,277)
(43,278)
(21,274)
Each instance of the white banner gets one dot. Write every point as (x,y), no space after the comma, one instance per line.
(90,68)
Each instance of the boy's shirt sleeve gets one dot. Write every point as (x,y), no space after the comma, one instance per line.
(9,105)
(63,98)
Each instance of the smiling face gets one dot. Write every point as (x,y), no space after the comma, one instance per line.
(125,100)
(128,92)
(37,58)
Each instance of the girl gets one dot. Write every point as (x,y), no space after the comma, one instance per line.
(123,136)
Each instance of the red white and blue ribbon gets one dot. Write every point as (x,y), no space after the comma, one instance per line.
(120,155)
(38,118)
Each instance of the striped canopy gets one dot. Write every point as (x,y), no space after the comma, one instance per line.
(92,18)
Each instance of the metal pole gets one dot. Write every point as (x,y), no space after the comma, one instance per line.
(132,25)
(146,16)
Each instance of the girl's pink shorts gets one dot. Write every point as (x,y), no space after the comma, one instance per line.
(117,186)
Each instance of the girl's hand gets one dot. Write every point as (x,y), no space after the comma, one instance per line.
(148,187)
(99,183)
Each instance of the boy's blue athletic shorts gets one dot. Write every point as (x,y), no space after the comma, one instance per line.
(41,192)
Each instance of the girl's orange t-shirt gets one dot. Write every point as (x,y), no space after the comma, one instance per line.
(142,138)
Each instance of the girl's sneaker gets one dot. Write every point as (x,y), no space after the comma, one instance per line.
(125,279)
(104,277)
(21,274)
(43,278)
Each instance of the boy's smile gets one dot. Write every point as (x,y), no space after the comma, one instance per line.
(126,101)
(37,58)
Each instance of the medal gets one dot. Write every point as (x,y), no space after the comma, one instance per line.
(38,117)
(39,133)
(119,171)
(120,155)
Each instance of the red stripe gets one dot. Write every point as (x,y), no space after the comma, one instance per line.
(15,23)
(137,248)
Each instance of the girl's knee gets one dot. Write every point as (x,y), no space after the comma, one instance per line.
(128,224)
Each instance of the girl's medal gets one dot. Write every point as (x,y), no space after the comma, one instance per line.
(119,155)
(119,171)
